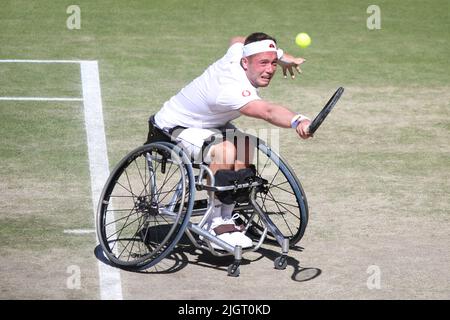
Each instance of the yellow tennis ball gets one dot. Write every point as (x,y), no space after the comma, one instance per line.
(303,40)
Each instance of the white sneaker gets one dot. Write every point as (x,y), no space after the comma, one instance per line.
(229,231)
(233,239)
(232,220)
(240,239)
(225,237)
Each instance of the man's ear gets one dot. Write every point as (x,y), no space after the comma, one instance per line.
(244,63)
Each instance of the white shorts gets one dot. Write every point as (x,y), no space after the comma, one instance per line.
(193,141)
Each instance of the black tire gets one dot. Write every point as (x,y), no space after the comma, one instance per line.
(280,263)
(136,225)
(233,270)
(282,198)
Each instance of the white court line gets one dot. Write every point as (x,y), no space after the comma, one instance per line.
(39,61)
(79,231)
(110,281)
(38,99)
(109,277)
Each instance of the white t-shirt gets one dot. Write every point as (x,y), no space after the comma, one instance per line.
(212,99)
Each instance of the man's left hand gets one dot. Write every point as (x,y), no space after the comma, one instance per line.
(289,63)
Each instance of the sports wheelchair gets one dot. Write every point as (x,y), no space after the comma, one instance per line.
(156,193)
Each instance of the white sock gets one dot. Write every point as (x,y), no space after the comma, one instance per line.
(227,211)
(215,218)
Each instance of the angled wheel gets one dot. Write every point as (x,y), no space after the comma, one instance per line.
(233,270)
(282,198)
(280,263)
(145,206)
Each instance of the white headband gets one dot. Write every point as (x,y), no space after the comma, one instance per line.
(261,46)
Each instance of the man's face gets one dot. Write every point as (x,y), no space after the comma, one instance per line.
(260,68)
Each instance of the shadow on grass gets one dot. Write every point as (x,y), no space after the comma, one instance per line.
(182,256)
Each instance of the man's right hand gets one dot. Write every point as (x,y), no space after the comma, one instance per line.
(302,129)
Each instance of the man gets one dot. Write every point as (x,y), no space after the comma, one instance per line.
(225,91)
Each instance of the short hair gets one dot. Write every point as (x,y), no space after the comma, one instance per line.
(258,36)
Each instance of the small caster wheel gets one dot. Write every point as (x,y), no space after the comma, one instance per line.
(280,262)
(233,270)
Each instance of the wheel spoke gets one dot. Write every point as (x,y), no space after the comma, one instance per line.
(282,216)
(285,190)
(136,227)
(281,198)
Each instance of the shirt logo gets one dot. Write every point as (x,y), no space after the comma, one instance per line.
(246,93)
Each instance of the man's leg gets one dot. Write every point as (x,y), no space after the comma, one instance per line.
(245,148)
(222,157)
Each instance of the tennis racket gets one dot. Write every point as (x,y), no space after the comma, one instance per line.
(315,124)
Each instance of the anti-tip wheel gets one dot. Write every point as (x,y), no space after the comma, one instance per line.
(233,270)
(280,262)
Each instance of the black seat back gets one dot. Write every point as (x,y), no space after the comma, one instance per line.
(155,133)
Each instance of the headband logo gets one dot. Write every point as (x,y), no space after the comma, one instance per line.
(271,45)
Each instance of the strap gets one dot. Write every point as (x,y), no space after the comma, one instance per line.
(225,228)
(297,119)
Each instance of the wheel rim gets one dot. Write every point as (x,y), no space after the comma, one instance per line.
(281,198)
(140,217)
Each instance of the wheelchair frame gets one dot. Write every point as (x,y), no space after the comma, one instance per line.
(145,205)
(237,251)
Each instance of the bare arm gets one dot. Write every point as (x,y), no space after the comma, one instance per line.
(275,114)
(237,40)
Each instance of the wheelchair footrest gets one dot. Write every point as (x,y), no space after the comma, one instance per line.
(229,187)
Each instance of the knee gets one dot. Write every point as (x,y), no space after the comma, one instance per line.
(223,153)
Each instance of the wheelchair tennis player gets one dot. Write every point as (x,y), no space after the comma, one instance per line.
(207,105)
